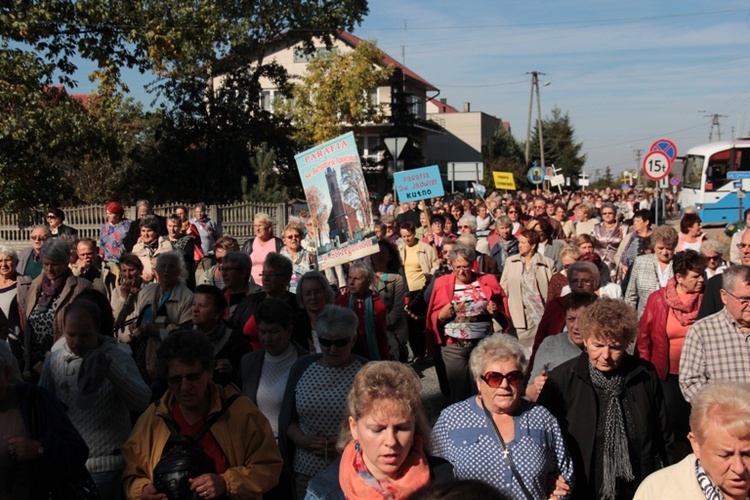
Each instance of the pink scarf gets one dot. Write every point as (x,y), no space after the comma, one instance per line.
(686,313)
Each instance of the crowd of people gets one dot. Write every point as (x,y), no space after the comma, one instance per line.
(582,351)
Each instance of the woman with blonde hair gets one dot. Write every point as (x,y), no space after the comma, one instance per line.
(383,440)
(259,246)
(302,260)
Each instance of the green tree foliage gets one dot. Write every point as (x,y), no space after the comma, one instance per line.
(504,154)
(334,94)
(560,146)
(204,128)
(607,180)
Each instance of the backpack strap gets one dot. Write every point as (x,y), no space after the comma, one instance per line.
(175,432)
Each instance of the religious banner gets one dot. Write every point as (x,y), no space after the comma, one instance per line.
(338,202)
(418,184)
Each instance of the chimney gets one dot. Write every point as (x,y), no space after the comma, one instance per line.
(444,100)
(467,107)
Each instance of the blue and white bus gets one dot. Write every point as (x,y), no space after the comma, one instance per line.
(704,180)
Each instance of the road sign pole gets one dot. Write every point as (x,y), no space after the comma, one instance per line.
(656,203)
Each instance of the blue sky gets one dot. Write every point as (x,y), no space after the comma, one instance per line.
(627,73)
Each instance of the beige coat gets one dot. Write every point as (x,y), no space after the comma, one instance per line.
(510,281)
(427,256)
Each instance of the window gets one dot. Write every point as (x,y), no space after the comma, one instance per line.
(368,146)
(693,172)
(415,105)
(267,97)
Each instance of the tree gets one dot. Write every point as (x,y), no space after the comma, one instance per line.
(355,192)
(608,180)
(334,94)
(504,154)
(560,147)
(268,188)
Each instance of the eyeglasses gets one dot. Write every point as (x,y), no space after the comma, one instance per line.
(38,238)
(744,301)
(742,246)
(495,379)
(512,211)
(464,227)
(190,377)
(338,343)
(292,237)
(714,257)
(52,216)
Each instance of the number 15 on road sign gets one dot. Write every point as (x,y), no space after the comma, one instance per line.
(656,165)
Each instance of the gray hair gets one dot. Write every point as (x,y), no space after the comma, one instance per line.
(56,250)
(725,403)
(503,221)
(731,277)
(497,347)
(468,239)
(200,205)
(264,218)
(712,246)
(366,271)
(42,226)
(6,251)
(143,203)
(337,322)
(177,256)
(469,220)
(584,267)
(320,278)
(464,251)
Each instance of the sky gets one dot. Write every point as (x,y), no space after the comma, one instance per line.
(627,73)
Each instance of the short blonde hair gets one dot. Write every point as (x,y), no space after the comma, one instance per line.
(666,235)
(726,404)
(570,251)
(381,381)
(609,319)
(264,218)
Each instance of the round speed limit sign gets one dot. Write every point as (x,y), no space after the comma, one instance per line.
(656,165)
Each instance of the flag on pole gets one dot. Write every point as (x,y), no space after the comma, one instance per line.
(479,189)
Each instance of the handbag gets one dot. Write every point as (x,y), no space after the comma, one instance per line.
(183,458)
(506,454)
(76,483)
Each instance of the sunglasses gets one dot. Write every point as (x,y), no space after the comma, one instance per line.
(338,343)
(495,379)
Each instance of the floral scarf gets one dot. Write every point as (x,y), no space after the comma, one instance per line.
(51,289)
(357,482)
(686,313)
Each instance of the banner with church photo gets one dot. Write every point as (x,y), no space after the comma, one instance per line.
(338,201)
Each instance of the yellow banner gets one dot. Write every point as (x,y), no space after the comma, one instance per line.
(504,180)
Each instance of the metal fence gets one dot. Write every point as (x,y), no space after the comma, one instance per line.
(235,219)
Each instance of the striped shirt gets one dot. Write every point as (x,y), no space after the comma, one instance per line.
(715,348)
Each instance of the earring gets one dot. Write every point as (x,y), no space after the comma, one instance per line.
(356,446)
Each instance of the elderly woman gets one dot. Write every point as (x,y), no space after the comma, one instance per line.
(514,212)
(314,294)
(497,436)
(55,219)
(302,260)
(420,263)
(558,281)
(37,436)
(670,312)
(584,223)
(383,441)
(459,315)
(208,230)
(525,280)
(637,241)
(387,207)
(162,308)
(8,292)
(308,430)
(372,339)
(124,299)
(720,436)
(713,251)
(610,406)
(111,240)
(507,244)
(651,271)
(244,459)
(150,246)
(263,243)
(44,302)
(210,267)
(691,236)
(607,236)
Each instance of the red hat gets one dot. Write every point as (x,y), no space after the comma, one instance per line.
(115,208)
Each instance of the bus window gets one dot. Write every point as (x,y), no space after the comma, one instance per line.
(693,171)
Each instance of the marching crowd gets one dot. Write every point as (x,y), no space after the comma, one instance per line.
(583,352)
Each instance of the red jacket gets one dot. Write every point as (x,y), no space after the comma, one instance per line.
(653,344)
(442,294)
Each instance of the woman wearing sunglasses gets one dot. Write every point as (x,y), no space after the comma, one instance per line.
(610,405)
(315,398)
(498,437)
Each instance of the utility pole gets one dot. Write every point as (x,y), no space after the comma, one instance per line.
(535,85)
(714,123)
(638,159)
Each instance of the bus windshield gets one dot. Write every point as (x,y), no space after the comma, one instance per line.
(693,172)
